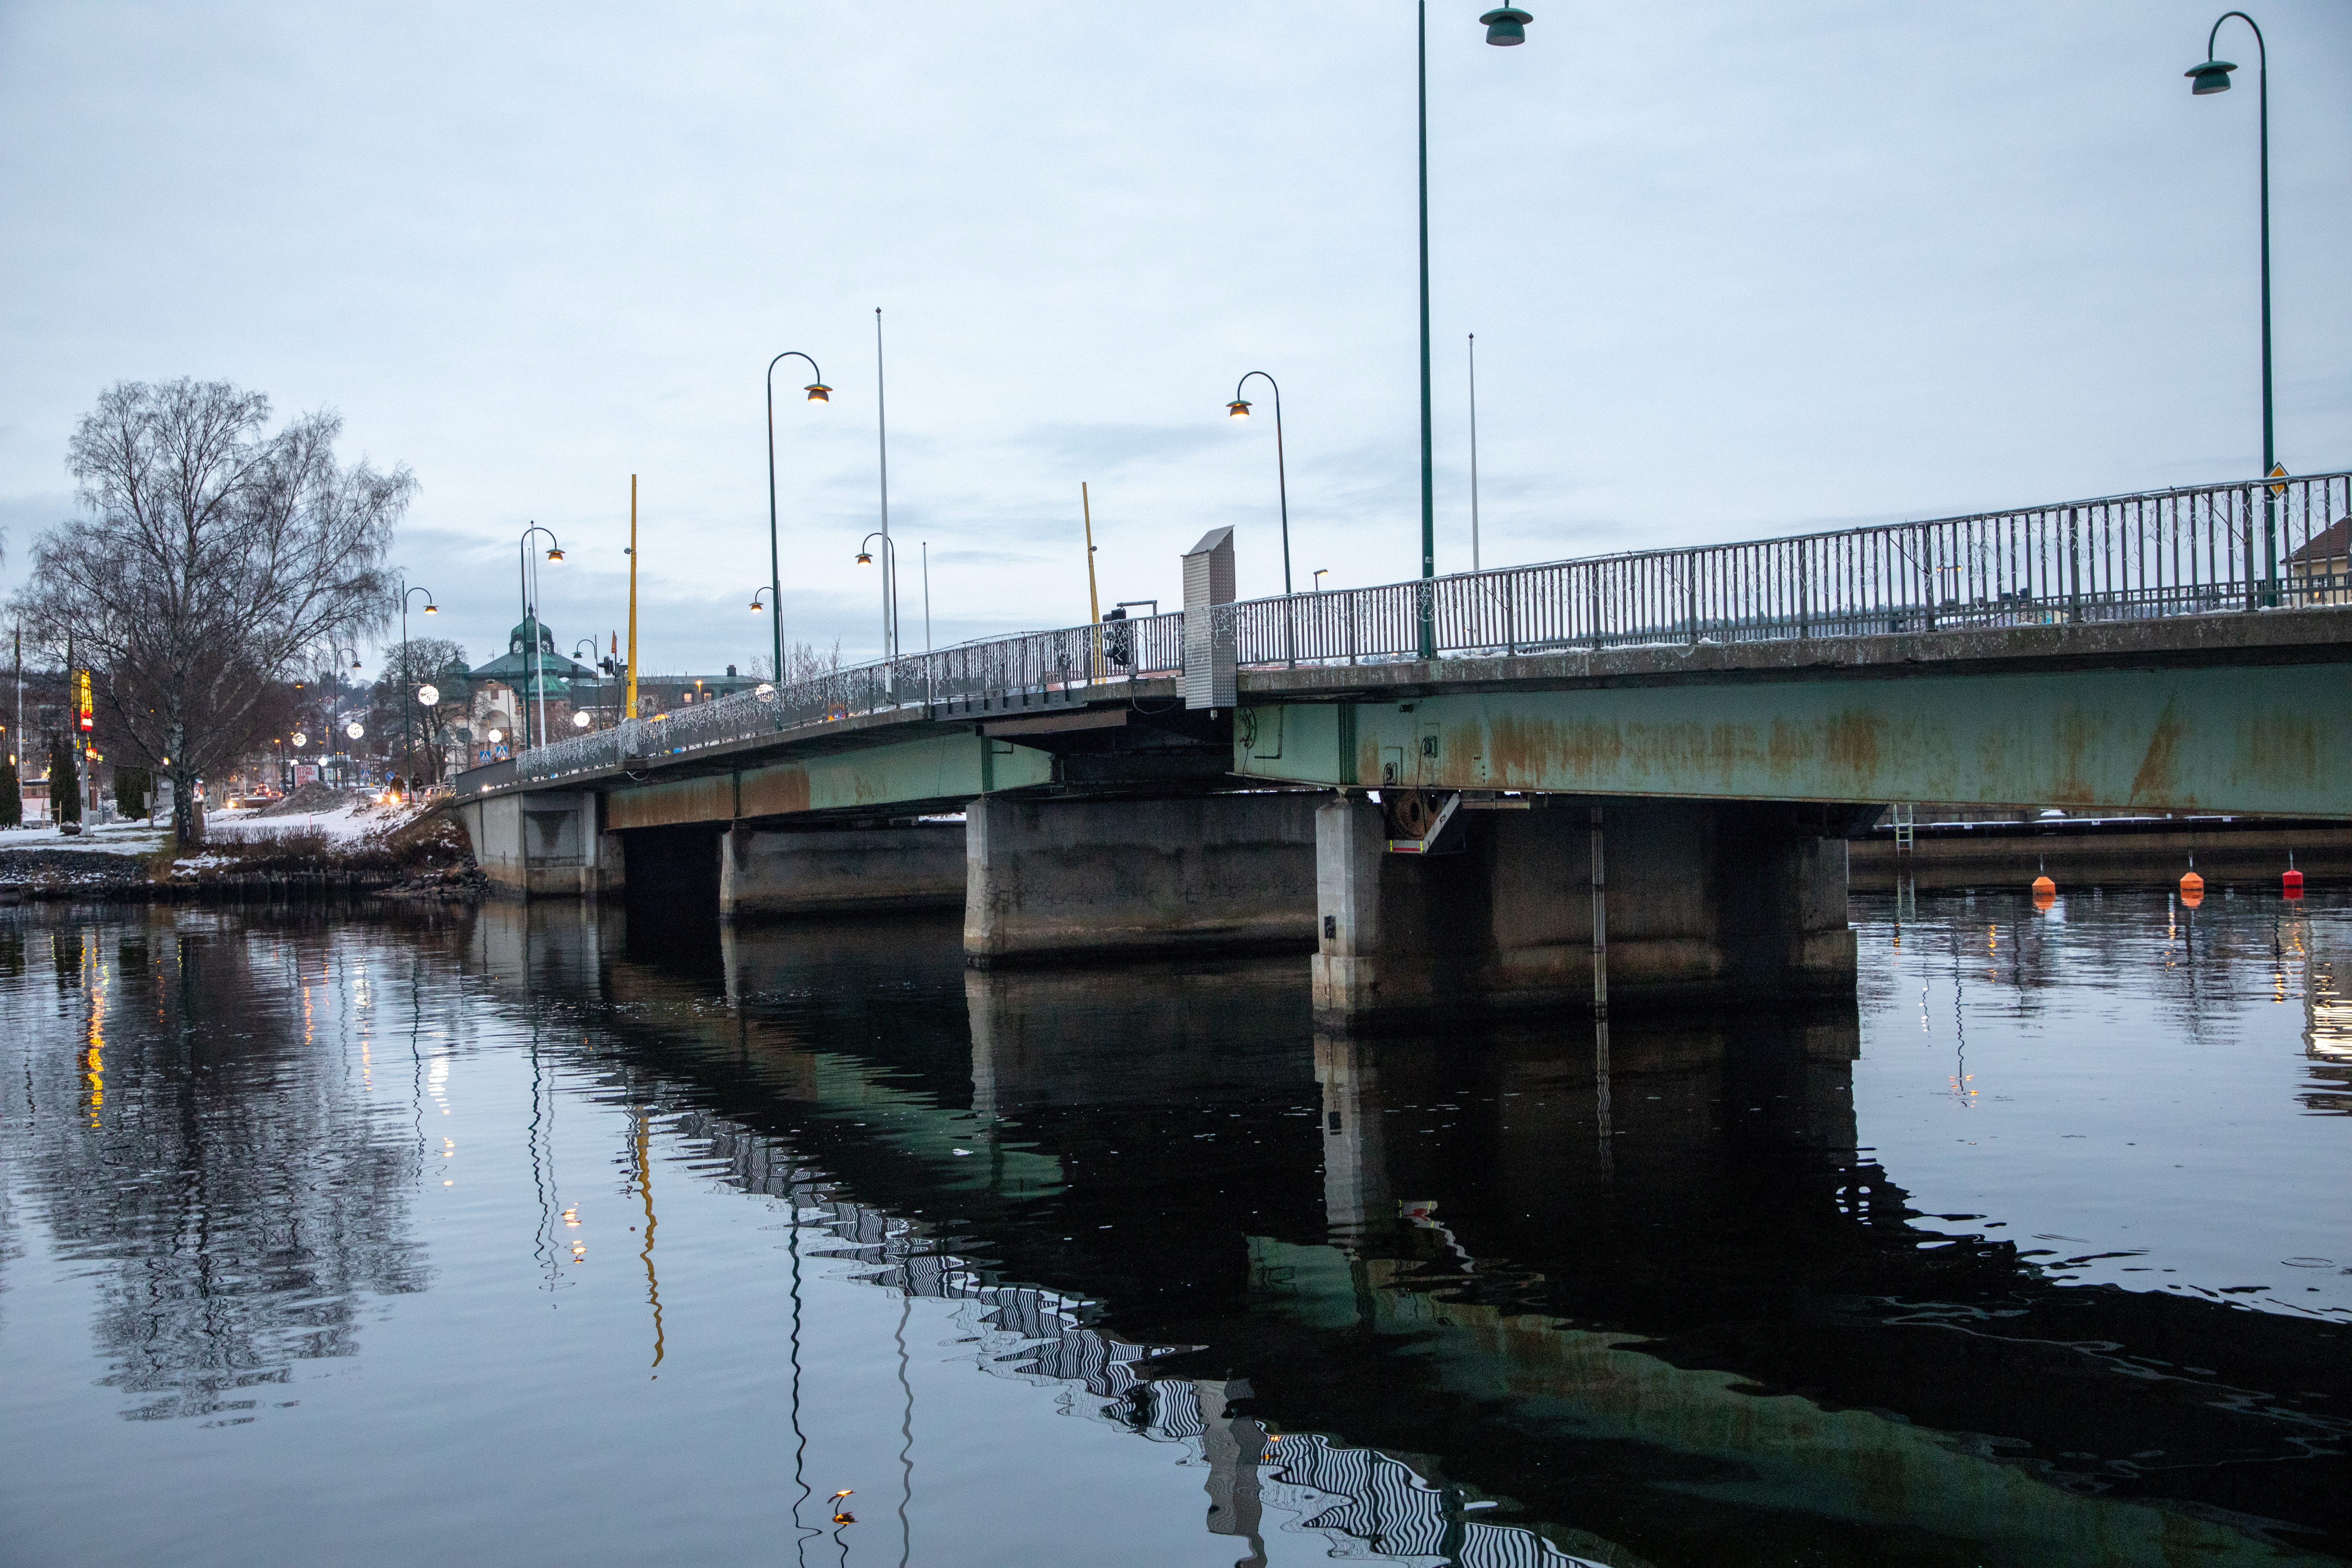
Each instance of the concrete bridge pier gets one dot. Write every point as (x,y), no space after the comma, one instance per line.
(1710,902)
(1053,879)
(546,845)
(864,870)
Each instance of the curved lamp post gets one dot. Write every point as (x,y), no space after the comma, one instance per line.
(2213,76)
(329,730)
(1240,409)
(890,576)
(1506,26)
(527,572)
(407,673)
(818,392)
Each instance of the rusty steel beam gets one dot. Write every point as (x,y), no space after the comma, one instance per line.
(2242,739)
(936,769)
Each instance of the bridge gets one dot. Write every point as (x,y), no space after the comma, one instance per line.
(1464,791)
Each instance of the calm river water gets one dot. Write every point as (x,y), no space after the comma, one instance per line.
(576,1237)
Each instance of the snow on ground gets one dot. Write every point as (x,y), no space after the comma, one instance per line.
(360,816)
(112,838)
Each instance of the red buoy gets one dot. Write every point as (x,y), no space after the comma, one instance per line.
(2292,883)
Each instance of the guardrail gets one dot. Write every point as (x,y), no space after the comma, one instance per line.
(2218,547)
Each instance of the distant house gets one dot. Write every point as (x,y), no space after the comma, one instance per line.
(2321,571)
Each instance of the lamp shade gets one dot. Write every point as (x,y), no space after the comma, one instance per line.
(818,392)
(865,558)
(554,552)
(1237,409)
(2213,76)
(1507,26)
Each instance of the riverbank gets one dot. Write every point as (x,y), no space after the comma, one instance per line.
(351,848)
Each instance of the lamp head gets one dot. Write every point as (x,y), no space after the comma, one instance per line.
(555,552)
(865,558)
(818,392)
(2213,76)
(1237,409)
(1507,26)
(757,606)
(431,608)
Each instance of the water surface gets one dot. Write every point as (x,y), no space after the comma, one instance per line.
(572,1237)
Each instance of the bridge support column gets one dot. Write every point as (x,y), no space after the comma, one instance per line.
(764,871)
(1056,879)
(1710,902)
(545,845)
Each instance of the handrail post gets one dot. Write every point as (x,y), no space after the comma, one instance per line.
(2073,563)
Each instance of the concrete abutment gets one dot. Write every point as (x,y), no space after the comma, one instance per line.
(1053,879)
(776,872)
(1707,902)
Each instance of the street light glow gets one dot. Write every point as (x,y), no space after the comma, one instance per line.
(818,392)
(1237,409)
(428,695)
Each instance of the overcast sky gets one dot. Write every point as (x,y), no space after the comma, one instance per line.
(1735,270)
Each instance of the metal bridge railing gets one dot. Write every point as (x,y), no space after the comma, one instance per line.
(2198,550)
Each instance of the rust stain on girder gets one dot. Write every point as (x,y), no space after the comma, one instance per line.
(776,792)
(2280,749)
(2160,766)
(667,804)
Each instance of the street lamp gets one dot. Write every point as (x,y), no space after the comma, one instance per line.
(756,605)
(527,578)
(818,392)
(2211,76)
(1240,409)
(890,571)
(408,670)
(1506,27)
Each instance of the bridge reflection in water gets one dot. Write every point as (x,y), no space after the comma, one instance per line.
(1501,1299)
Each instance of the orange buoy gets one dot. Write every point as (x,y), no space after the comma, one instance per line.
(2043,884)
(2192,885)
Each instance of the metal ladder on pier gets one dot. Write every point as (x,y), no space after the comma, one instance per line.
(1907,828)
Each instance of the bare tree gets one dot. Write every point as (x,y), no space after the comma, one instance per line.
(215,559)
(417,731)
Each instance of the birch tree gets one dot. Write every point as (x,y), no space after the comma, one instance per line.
(215,559)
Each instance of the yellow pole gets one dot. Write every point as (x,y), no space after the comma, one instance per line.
(630,712)
(1094,600)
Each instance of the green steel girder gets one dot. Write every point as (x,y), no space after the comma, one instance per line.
(2249,739)
(934,769)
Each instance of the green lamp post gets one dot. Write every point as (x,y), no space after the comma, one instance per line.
(2213,76)
(817,392)
(1506,27)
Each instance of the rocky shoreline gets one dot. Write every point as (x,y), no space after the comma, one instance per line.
(426,860)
